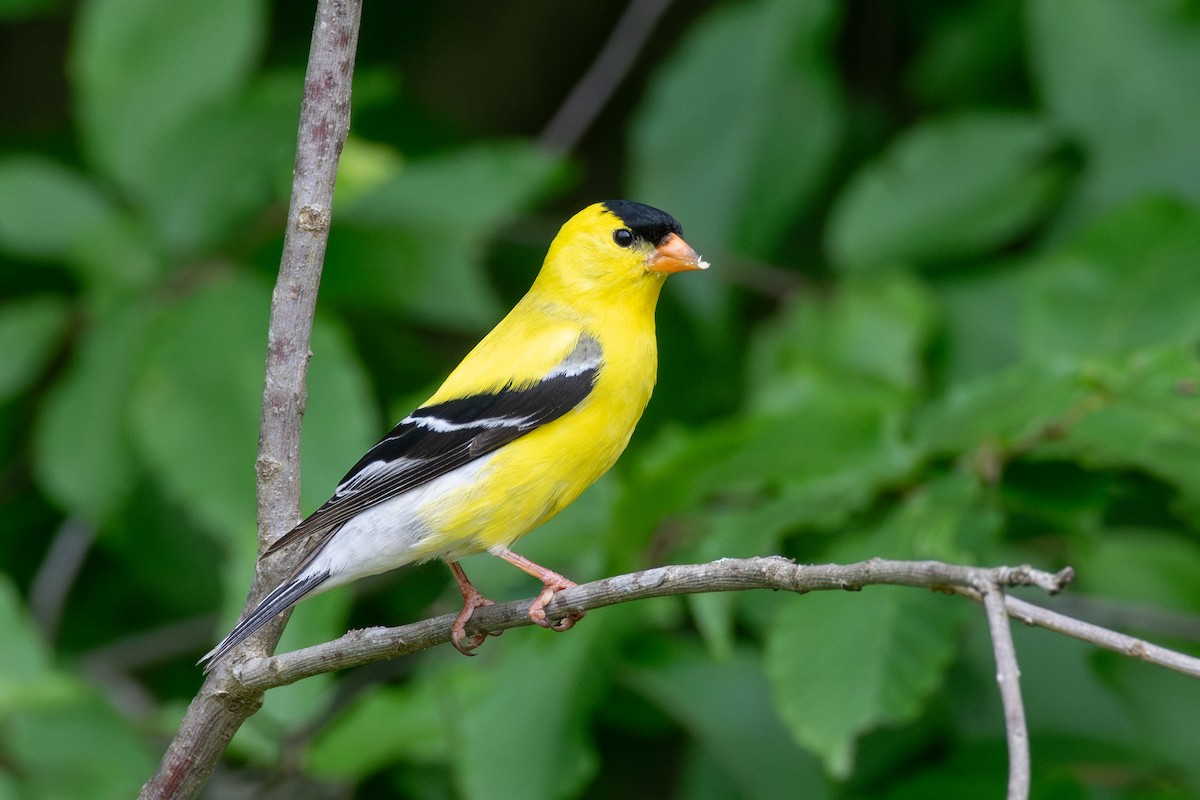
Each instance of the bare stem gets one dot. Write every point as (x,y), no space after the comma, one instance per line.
(1121,643)
(216,712)
(1008,676)
(57,573)
(593,91)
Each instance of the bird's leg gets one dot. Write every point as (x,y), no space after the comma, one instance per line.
(472,600)
(552,583)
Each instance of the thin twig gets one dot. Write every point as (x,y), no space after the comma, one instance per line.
(1126,615)
(216,713)
(1121,643)
(593,91)
(344,694)
(128,696)
(1008,676)
(53,581)
(110,667)
(155,646)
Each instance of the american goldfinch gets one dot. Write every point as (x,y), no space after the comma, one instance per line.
(532,416)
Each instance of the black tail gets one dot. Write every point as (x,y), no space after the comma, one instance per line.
(279,600)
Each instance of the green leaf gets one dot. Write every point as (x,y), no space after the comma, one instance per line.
(973,55)
(363,167)
(872,333)
(82,456)
(79,750)
(1142,566)
(829,436)
(1144,414)
(193,408)
(415,244)
(978,771)
(741,178)
(1126,282)
(142,68)
(58,741)
(16,10)
(31,331)
(727,709)
(948,518)
(978,308)
(1009,410)
(840,669)
(1117,75)
(730,530)
(952,188)
(46,209)
(383,727)
(49,212)
(1158,706)
(701,778)
(827,455)
(1139,411)
(198,188)
(196,406)
(27,679)
(537,700)
(1063,495)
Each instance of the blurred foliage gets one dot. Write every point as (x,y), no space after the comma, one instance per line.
(954,314)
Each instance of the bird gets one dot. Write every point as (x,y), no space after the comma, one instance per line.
(533,415)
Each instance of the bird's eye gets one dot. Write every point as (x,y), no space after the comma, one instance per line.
(623,237)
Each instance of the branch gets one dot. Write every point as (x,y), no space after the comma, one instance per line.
(57,573)
(593,91)
(726,575)
(1102,637)
(216,713)
(1008,676)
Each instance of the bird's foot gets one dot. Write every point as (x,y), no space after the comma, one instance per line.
(552,583)
(537,610)
(472,599)
(458,631)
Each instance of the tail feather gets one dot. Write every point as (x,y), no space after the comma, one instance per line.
(279,600)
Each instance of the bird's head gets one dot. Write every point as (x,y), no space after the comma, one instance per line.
(618,246)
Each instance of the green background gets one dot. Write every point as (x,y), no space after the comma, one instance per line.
(954,313)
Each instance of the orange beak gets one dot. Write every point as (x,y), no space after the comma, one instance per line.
(674,255)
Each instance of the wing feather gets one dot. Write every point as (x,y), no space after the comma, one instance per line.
(436,439)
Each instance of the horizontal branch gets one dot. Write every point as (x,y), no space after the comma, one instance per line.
(725,575)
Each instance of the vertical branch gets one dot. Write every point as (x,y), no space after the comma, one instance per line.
(1008,676)
(221,706)
(324,122)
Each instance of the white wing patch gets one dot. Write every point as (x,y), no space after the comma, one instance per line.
(445,426)
(438,439)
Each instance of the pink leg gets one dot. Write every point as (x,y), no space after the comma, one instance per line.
(472,600)
(552,583)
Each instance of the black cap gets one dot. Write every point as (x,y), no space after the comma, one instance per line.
(648,223)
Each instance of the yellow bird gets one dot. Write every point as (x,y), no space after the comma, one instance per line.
(539,410)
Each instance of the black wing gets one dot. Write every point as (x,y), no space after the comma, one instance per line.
(434,440)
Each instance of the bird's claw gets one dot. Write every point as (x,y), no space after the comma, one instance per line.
(458,631)
(564,624)
(537,610)
(464,645)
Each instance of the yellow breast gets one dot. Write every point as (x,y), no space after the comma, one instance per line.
(536,476)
